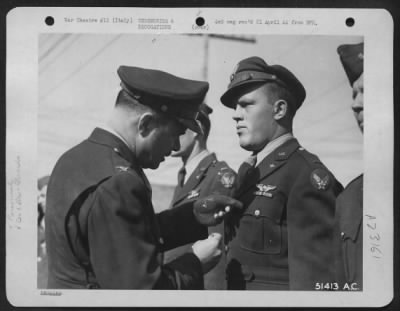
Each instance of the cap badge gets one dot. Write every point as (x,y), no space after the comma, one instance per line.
(264,190)
(193,194)
(320,179)
(361,56)
(234,72)
(228,179)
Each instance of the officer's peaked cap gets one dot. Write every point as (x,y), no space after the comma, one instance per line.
(256,70)
(177,97)
(352,58)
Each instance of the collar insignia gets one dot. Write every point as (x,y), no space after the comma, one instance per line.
(122,168)
(193,194)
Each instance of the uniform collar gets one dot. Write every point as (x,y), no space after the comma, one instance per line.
(272,162)
(273,145)
(196,177)
(105,137)
(109,129)
(195,161)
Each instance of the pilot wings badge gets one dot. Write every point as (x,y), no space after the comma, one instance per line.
(264,190)
(320,179)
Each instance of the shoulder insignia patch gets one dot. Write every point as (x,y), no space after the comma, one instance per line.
(320,179)
(122,168)
(228,179)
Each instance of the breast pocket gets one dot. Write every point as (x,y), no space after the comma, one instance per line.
(260,228)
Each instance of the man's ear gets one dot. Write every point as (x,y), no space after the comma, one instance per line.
(280,109)
(145,124)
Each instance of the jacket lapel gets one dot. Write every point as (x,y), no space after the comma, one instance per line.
(269,164)
(195,178)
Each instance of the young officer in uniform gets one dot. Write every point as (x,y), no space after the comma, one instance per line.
(101,228)
(201,175)
(283,238)
(349,204)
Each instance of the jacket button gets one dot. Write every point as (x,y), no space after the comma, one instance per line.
(342,235)
(161,240)
(257,212)
(226,248)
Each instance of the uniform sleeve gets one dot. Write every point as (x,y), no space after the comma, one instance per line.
(179,226)
(123,244)
(310,223)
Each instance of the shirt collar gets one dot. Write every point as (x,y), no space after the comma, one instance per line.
(272,145)
(110,130)
(194,162)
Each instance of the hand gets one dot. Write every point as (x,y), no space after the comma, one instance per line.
(211,210)
(209,251)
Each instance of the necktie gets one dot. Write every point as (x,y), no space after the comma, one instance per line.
(181,176)
(252,160)
(246,169)
(179,186)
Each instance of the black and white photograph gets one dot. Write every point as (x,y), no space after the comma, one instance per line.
(200,160)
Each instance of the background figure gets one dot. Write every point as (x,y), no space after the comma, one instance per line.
(41,241)
(349,204)
(284,238)
(202,174)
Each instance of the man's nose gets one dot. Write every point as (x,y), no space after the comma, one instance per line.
(357,104)
(177,144)
(237,115)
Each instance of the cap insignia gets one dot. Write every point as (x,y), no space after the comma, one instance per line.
(234,72)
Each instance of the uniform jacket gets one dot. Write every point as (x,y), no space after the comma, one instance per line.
(349,235)
(101,228)
(210,176)
(283,239)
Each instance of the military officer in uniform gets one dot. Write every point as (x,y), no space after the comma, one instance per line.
(101,229)
(283,238)
(202,174)
(349,204)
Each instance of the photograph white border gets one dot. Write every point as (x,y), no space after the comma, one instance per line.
(23,28)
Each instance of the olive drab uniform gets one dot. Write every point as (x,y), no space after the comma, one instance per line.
(349,205)
(283,239)
(101,228)
(349,235)
(209,177)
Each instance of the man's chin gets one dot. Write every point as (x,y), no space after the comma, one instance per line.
(152,166)
(245,146)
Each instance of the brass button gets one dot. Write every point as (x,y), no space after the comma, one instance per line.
(257,212)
